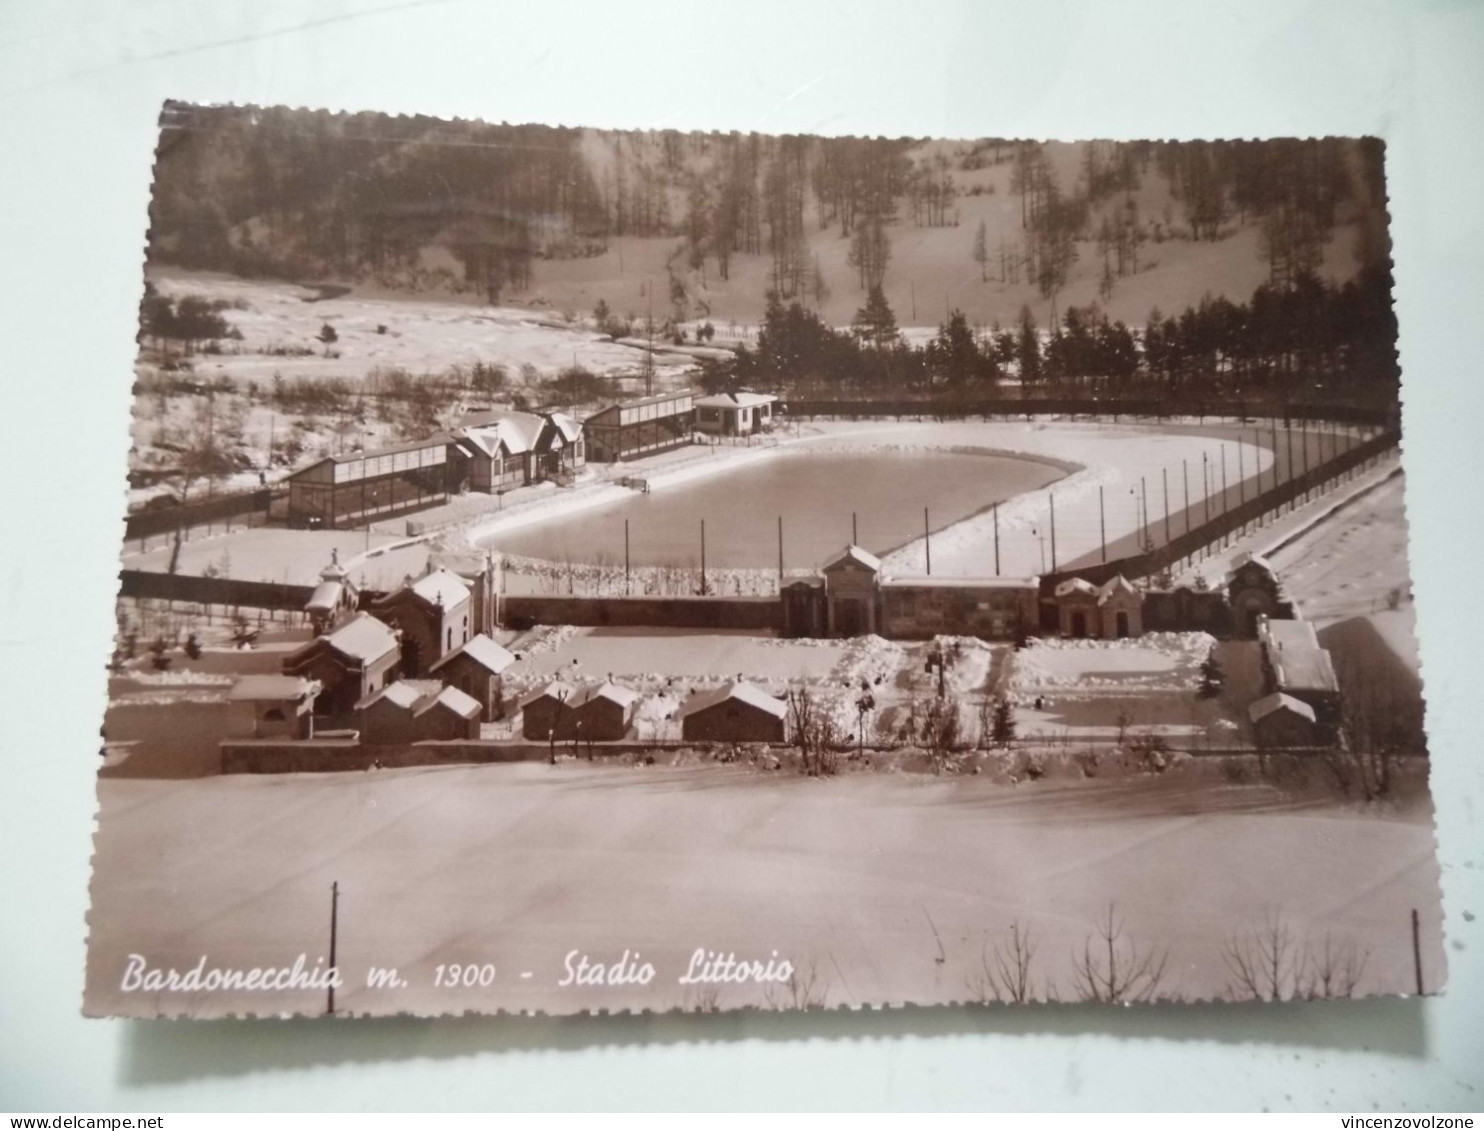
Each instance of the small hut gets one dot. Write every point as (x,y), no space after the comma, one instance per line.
(735,712)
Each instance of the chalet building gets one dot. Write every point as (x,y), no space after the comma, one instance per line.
(850,592)
(640,427)
(1294,664)
(1120,609)
(735,414)
(1281,722)
(736,712)
(604,712)
(500,450)
(477,669)
(334,600)
(545,714)
(1077,607)
(417,710)
(1110,611)
(434,615)
(354,489)
(355,660)
(994,608)
(1253,592)
(271,706)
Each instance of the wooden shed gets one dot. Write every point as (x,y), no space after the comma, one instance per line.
(1282,722)
(735,712)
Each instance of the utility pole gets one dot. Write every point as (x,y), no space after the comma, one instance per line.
(1223,478)
(1241,474)
(703,557)
(927,540)
(334,927)
(625,557)
(855,539)
(1052,499)
(1144,500)
(997,538)
(1102,524)
(780,551)
(1205,485)
(1185,478)
(1164,473)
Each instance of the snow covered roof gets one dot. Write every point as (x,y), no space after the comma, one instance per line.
(519,431)
(1116,584)
(440,587)
(1245,559)
(736,400)
(613,692)
(326,597)
(1076,585)
(409,694)
(961,582)
(274,688)
(1287,633)
(556,689)
(1280,702)
(854,554)
(363,638)
(484,652)
(1304,669)
(451,698)
(566,425)
(437,440)
(748,693)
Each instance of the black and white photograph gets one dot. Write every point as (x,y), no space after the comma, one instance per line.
(584,570)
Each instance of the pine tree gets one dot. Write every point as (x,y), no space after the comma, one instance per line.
(981,252)
(874,322)
(1212,677)
(1003,732)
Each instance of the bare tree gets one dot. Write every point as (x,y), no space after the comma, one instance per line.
(1112,968)
(1332,969)
(813,729)
(803,990)
(940,732)
(1006,968)
(1265,964)
(1269,963)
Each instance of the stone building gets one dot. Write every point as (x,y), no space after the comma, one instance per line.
(334,600)
(434,614)
(271,706)
(994,608)
(1253,592)
(850,592)
(354,661)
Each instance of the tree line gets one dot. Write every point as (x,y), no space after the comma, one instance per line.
(1294,339)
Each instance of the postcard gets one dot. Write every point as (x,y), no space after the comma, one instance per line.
(583,570)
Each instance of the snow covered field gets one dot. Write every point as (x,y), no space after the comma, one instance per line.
(422,336)
(879,888)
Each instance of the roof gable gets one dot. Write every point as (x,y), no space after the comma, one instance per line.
(483,651)
(852,557)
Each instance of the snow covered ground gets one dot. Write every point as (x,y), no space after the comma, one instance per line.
(421,336)
(879,888)
(1068,691)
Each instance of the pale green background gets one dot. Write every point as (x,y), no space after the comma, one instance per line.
(80,87)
